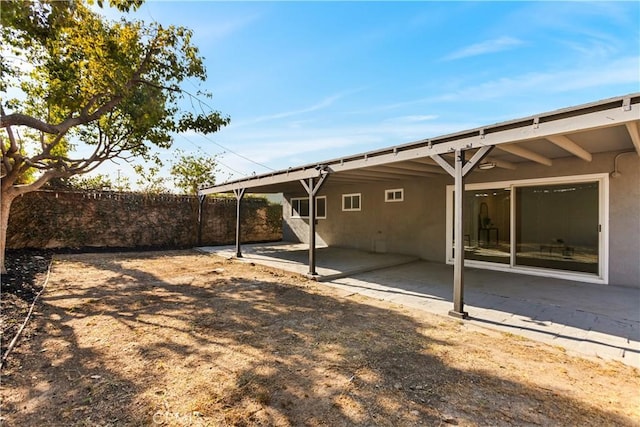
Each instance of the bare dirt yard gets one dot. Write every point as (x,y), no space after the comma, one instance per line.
(182,338)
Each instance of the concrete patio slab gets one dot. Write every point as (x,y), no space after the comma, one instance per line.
(331,263)
(584,318)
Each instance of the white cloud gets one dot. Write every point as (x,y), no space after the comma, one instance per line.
(623,71)
(326,102)
(277,145)
(322,104)
(489,46)
(413,118)
(620,72)
(218,30)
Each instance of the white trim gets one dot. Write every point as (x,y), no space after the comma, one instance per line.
(352,195)
(603,217)
(393,191)
(307,216)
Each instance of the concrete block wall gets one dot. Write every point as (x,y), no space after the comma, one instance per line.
(58,219)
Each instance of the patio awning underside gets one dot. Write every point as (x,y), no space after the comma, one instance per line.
(606,126)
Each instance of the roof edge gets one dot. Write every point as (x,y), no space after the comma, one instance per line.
(546,117)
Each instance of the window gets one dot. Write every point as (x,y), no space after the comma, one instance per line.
(395,195)
(321,207)
(351,202)
(300,207)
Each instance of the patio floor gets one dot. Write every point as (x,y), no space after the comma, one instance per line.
(584,318)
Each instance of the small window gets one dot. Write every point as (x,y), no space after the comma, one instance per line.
(395,195)
(321,207)
(351,202)
(300,207)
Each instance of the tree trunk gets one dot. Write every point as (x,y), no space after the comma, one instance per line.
(5,206)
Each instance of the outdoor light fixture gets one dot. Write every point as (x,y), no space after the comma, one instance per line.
(487,165)
(616,173)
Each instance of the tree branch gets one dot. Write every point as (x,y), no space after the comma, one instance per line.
(13,146)
(157,86)
(19,119)
(38,183)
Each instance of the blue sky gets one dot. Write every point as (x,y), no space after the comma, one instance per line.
(310,81)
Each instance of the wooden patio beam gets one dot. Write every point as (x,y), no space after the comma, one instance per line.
(634,133)
(526,154)
(566,144)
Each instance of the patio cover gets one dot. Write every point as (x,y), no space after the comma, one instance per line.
(608,125)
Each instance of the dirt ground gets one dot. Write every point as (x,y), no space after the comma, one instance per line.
(182,338)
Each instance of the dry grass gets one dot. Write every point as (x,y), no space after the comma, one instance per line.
(181,338)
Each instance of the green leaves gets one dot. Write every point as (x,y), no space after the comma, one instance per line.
(208,123)
(114,86)
(189,172)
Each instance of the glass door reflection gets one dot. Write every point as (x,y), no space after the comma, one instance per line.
(557,226)
(487,230)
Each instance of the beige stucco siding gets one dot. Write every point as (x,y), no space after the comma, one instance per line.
(624,223)
(416,226)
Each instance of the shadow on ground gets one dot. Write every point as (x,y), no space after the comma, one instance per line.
(123,339)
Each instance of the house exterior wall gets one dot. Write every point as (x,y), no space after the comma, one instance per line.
(417,225)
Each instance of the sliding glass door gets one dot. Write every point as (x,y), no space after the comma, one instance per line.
(552,225)
(557,226)
(487,235)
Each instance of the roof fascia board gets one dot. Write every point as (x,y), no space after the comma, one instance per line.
(589,121)
(537,129)
(260,181)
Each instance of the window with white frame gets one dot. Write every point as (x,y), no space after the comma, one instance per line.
(300,207)
(351,202)
(394,195)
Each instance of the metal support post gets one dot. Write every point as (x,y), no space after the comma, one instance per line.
(239,193)
(458,248)
(201,198)
(312,229)
(312,186)
(460,169)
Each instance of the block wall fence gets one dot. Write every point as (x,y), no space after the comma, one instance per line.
(61,219)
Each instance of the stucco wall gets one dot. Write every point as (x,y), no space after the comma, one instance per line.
(416,226)
(624,223)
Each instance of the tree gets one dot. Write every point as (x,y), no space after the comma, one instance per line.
(190,172)
(149,180)
(93,183)
(114,86)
